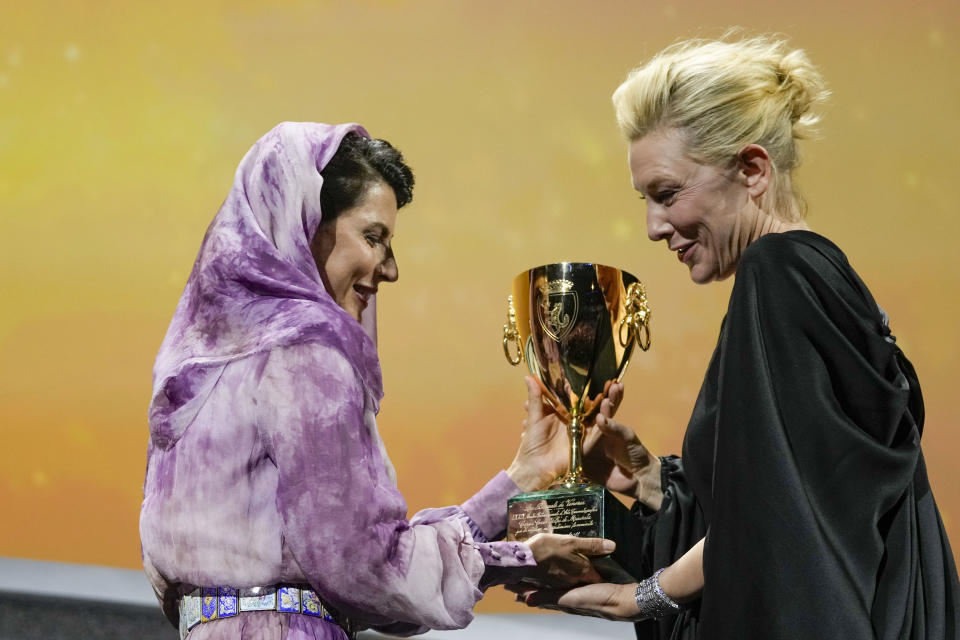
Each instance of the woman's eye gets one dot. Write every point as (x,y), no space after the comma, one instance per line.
(665,197)
(373,239)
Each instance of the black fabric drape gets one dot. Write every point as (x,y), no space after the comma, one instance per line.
(667,534)
(803,459)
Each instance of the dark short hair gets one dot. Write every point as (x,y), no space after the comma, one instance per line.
(358,163)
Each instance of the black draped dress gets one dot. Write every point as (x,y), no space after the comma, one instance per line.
(802,466)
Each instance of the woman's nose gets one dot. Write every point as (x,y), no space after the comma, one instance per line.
(657,226)
(388,269)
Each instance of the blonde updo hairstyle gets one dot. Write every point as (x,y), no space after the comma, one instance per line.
(724,95)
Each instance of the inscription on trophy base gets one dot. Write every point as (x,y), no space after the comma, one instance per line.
(575,512)
(587,512)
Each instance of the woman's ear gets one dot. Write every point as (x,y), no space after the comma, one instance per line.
(755,169)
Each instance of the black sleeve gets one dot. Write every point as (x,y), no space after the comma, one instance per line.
(666,535)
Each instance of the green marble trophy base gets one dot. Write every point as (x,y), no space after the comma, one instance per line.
(588,511)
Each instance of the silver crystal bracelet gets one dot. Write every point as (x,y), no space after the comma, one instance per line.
(652,601)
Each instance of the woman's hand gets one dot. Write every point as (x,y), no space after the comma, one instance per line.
(601,600)
(616,457)
(544,451)
(564,561)
(682,582)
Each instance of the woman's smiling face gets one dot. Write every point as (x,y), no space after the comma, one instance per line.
(353,252)
(703,212)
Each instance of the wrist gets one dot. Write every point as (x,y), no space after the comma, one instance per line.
(625,602)
(671,581)
(525,478)
(652,601)
(649,489)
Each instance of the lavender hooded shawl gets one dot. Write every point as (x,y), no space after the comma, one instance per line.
(255,284)
(265,464)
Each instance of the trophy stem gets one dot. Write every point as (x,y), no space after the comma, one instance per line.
(575,475)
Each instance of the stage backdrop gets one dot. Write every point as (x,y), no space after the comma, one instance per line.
(121,124)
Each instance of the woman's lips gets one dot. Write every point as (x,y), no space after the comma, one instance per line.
(363,294)
(684,252)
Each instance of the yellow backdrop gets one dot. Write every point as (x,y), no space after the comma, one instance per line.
(121,124)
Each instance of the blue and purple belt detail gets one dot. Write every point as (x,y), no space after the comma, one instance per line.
(206,604)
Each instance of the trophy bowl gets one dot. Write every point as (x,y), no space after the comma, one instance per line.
(575,325)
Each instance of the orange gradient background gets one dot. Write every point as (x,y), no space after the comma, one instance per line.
(121,124)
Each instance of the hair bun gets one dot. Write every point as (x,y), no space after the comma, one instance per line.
(803,87)
(724,94)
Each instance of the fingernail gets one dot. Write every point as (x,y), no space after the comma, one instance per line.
(608,546)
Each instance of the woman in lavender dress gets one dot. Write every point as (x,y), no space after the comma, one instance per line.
(270,506)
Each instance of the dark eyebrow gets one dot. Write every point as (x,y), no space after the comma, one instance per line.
(379,226)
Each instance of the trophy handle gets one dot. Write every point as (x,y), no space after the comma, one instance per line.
(637,317)
(510,334)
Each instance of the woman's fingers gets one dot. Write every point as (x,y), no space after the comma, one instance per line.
(590,440)
(534,403)
(615,396)
(611,427)
(549,544)
(605,424)
(564,560)
(604,600)
(610,403)
(542,598)
(606,409)
(591,546)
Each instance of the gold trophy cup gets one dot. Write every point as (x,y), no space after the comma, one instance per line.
(575,325)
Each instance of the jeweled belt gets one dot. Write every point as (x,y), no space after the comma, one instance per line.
(206,604)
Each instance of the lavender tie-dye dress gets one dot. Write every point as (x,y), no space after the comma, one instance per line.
(264,463)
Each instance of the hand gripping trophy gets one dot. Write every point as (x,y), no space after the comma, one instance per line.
(575,325)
